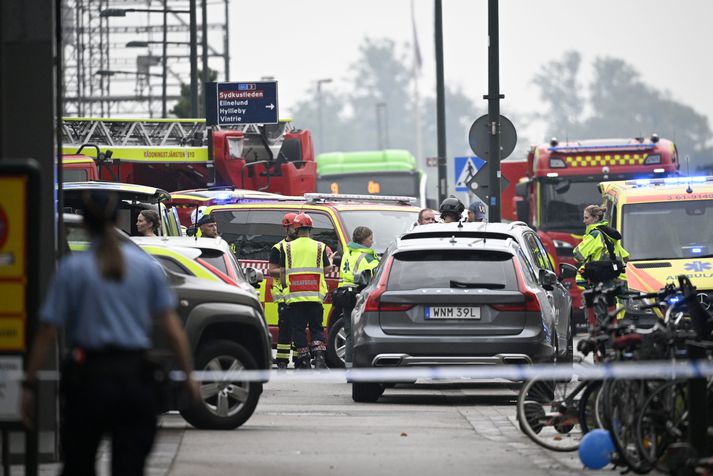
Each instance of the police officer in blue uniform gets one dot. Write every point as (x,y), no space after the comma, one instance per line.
(107,300)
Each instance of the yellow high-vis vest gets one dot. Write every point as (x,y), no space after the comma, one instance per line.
(276,289)
(354,261)
(304,273)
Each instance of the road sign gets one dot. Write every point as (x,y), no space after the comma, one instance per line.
(479,184)
(241,103)
(479,137)
(466,168)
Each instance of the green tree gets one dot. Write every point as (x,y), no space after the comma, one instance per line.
(560,90)
(621,104)
(183,106)
(382,74)
(335,126)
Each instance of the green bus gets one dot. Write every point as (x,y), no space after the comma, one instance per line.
(380,172)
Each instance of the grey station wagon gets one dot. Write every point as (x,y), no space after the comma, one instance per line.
(450,294)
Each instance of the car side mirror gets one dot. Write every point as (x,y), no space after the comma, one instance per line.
(547,279)
(567,271)
(362,278)
(254,276)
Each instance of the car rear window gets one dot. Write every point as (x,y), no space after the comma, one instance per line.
(215,259)
(452,269)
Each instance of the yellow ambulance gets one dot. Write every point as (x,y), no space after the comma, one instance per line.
(667,227)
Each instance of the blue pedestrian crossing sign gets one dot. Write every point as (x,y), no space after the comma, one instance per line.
(465,169)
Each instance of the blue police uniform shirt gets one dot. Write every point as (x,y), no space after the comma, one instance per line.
(98,313)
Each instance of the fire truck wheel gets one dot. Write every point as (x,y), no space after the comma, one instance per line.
(226,404)
(336,345)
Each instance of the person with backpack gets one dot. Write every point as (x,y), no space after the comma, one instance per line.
(600,256)
(358,257)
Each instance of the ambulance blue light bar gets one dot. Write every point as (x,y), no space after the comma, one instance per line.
(669,181)
(341,197)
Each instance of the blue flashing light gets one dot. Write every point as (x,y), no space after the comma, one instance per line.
(680,180)
(697,250)
(673,300)
(670,181)
(223,197)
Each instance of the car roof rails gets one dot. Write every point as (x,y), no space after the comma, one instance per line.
(513,224)
(419,235)
(344,197)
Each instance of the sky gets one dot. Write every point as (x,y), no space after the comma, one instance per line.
(299,42)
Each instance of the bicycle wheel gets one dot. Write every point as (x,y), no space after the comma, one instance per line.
(622,401)
(588,419)
(547,412)
(663,420)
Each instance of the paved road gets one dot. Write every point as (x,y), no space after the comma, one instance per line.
(307,428)
(315,428)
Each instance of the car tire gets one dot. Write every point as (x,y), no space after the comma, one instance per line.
(336,345)
(225,404)
(569,356)
(366,392)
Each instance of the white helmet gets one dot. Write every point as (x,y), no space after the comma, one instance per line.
(200,210)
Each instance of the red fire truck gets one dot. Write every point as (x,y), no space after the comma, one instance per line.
(550,189)
(179,154)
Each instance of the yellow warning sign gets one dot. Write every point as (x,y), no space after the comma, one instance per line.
(12,297)
(13,193)
(12,334)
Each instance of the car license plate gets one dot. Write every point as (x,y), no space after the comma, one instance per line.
(452,312)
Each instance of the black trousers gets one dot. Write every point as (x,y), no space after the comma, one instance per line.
(108,394)
(284,340)
(299,316)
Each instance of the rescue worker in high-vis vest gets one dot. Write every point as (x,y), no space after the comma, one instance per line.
(284,341)
(303,264)
(359,257)
(593,247)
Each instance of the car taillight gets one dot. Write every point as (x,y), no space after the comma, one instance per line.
(373,301)
(531,304)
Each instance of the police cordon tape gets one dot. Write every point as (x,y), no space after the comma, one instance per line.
(665,370)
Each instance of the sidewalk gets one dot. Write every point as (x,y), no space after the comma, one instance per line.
(164,451)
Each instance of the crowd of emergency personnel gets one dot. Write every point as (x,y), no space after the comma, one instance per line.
(297,264)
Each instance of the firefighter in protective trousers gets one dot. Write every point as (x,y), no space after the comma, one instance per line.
(284,341)
(303,264)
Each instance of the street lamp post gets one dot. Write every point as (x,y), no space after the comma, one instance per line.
(194,60)
(121,12)
(204,45)
(320,123)
(164,75)
(164,79)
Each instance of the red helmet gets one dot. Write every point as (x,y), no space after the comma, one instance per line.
(288,218)
(302,220)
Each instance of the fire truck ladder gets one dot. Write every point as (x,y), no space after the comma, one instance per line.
(155,132)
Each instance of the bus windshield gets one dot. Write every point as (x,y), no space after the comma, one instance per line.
(668,230)
(386,224)
(563,202)
(382,183)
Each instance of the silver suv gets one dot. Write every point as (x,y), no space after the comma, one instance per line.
(472,293)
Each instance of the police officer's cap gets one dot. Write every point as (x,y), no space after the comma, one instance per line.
(206,219)
(478,210)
